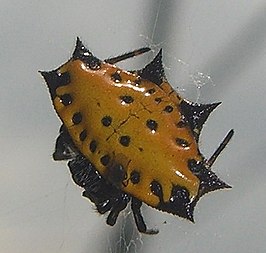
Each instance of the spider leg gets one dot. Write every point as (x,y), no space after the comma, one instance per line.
(96,189)
(121,204)
(217,152)
(135,206)
(122,57)
(105,196)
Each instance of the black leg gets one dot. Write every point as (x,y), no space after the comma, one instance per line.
(135,206)
(83,173)
(127,55)
(121,204)
(105,196)
(217,152)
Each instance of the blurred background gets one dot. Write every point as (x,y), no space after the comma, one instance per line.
(212,50)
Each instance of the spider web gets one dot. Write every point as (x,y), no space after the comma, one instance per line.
(127,239)
(194,80)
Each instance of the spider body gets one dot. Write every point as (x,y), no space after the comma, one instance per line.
(130,137)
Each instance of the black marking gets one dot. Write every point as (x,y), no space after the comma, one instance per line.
(135,177)
(77,118)
(151,91)
(156,189)
(182,143)
(154,71)
(178,96)
(93,146)
(83,135)
(195,166)
(55,79)
(83,54)
(66,99)
(152,124)
(168,108)
(196,114)
(141,149)
(124,140)
(181,124)
(105,160)
(127,99)
(116,77)
(138,81)
(158,100)
(106,121)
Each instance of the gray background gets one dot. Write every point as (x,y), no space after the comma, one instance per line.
(213,51)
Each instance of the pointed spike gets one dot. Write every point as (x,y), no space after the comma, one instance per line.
(80,50)
(55,79)
(190,211)
(44,74)
(209,181)
(154,71)
(64,147)
(179,203)
(196,114)
(83,54)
